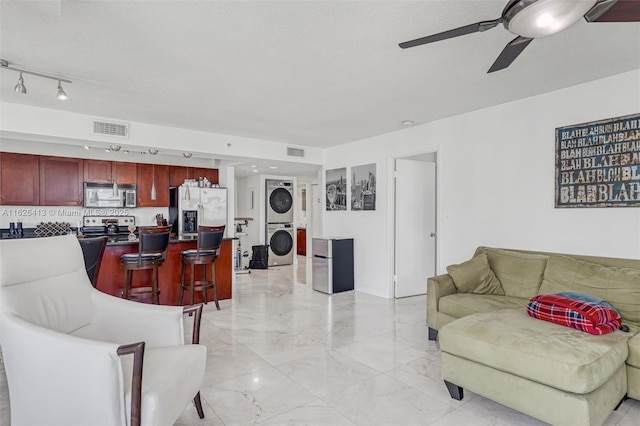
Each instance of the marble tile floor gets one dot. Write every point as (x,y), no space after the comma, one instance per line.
(283,354)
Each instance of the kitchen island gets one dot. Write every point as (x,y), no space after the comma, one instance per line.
(111,277)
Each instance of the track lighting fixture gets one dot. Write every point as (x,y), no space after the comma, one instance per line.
(20,87)
(187,154)
(61,95)
(153,151)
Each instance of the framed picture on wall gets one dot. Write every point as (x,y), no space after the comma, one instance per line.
(336,189)
(598,163)
(363,187)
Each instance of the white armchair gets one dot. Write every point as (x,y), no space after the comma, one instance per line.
(76,356)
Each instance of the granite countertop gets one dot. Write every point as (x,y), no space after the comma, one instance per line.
(124,241)
(116,240)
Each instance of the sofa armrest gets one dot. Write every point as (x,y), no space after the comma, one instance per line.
(437,287)
(124,321)
(56,378)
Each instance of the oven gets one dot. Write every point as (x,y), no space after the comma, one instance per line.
(117,228)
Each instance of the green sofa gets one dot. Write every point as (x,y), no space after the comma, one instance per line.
(492,347)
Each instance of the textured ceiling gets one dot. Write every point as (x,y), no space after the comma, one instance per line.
(316,73)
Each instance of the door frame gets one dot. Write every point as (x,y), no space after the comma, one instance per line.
(391,210)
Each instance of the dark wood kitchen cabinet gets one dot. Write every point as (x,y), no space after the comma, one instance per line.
(177,174)
(301,241)
(148,174)
(211,174)
(61,181)
(19,179)
(98,171)
(101,171)
(125,173)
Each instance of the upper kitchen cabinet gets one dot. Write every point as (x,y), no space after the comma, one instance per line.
(211,174)
(98,171)
(19,179)
(61,181)
(125,173)
(148,175)
(177,174)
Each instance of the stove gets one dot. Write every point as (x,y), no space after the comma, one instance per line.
(111,226)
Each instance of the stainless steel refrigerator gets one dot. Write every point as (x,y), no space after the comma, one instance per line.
(332,264)
(191,207)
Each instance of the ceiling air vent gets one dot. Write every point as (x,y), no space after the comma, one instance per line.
(111,129)
(295,152)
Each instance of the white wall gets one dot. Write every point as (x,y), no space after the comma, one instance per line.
(56,126)
(32,216)
(244,188)
(495,183)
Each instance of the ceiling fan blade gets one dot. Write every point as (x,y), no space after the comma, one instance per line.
(510,53)
(467,29)
(614,11)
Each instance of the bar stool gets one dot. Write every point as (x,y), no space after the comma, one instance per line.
(92,251)
(152,252)
(206,253)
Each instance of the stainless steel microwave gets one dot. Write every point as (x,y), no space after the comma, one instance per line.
(104,195)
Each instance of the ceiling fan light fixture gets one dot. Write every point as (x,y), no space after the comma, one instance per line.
(541,18)
(544,20)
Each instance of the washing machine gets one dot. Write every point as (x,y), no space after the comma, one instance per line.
(279,201)
(280,241)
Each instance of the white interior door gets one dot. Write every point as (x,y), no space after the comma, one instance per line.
(415,212)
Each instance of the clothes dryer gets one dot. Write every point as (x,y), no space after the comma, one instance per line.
(279,201)
(280,241)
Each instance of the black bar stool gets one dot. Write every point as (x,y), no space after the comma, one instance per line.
(152,252)
(93,250)
(206,253)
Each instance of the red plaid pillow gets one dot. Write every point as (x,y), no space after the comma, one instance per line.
(589,317)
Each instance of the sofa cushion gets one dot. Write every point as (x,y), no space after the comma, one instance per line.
(520,274)
(475,276)
(619,286)
(511,341)
(634,347)
(463,304)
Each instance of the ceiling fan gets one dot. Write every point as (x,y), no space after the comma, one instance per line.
(530,19)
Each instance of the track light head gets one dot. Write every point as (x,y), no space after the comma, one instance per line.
(61,95)
(20,86)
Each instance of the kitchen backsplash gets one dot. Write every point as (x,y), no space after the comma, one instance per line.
(31,216)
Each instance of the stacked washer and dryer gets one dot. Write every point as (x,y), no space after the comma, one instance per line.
(279,225)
